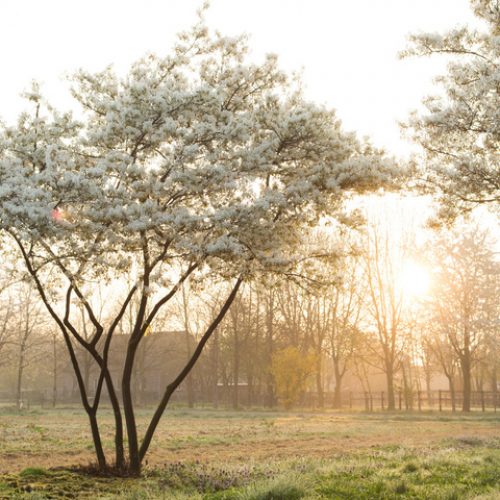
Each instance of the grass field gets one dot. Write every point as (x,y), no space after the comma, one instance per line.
(260,455)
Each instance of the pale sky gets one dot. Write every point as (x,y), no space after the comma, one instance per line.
(345,49)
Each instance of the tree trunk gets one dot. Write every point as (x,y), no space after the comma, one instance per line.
(190,390)
(428,388)
(467,383)
(19,386)
(115,404)
(65,327)
(189,379)
(319,384)
(407,389)
(250,389)
(54,380)
(87,361)
(215,398)
(452,394)
(494,381)
(101,459)
(128,409)
(391,401)
(337,392)
(270,395)
(337,395)
(236,368)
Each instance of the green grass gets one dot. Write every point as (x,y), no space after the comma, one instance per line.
(221,455)
(429,474)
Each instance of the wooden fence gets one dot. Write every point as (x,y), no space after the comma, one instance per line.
(440,400)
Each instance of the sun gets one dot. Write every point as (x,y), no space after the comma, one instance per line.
(414,279)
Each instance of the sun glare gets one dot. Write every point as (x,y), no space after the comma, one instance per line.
(414,279)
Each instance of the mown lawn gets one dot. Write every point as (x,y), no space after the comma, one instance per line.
(260,455)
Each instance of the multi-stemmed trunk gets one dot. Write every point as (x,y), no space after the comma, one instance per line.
(136,451)
(67,328)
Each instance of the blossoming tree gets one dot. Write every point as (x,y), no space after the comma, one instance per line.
(195,165)
(460,131)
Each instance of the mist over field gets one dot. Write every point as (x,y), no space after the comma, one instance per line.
(215,282)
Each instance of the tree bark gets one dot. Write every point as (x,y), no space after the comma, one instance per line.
(128,408)
(101,458)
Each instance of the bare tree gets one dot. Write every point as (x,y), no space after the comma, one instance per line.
(465,297)
(344,309)
(29,335)
(384,305)
(6,314)
(448,361)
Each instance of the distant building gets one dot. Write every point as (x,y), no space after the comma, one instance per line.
(159,359)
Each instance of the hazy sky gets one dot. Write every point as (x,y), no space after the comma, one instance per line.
(346,49)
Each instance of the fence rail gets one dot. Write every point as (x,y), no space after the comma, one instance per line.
(439,400)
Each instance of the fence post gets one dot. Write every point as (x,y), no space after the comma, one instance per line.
(440,401)
(350,400)
(482,401)
(382,400)
(371,402)
(419,395)
(367,404)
